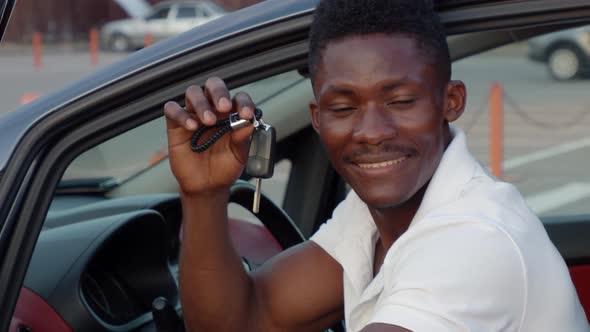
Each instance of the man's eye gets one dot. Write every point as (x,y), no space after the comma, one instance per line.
(342,109)
(402,102)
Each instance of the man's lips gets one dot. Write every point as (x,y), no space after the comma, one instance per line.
(381,164)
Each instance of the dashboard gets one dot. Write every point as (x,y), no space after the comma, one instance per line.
(100,265)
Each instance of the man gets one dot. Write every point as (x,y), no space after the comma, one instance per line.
(425,241)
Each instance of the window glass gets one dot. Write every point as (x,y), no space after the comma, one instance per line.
(537,93)
(206,12)
(187,12)
(144,147)
(160,14)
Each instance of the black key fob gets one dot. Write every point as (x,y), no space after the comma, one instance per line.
(262,152)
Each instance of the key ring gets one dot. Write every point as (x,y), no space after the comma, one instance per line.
(225,126)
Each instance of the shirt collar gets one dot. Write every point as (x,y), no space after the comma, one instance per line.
(455,169)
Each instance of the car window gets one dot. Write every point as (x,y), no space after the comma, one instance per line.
(527,118)
(186,12)
(144,147)
(206,12)
(537,146)
(159,14)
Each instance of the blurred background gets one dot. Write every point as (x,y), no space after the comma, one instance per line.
(66,21)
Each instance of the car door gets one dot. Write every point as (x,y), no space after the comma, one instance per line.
(261,44)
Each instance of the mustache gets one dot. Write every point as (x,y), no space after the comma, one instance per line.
(367,150)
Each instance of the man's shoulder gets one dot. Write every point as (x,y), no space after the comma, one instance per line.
(487,201)
(350,226)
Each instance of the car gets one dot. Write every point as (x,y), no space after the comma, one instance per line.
(166,19)
(89,210)
(566,53)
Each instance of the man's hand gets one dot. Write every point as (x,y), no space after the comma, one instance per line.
(220,166)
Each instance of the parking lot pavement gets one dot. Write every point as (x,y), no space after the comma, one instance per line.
(20,77)
(546,136)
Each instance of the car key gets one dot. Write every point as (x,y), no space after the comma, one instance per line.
(261,156)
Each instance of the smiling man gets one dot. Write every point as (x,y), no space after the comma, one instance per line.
(425,241)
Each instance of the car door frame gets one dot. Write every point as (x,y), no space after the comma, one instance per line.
(43,153)
(6,7)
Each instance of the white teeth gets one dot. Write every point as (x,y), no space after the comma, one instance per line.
(383,164)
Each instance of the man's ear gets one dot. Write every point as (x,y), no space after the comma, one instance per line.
(456,99)
(314,111)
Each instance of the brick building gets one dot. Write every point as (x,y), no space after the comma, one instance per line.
(70,20)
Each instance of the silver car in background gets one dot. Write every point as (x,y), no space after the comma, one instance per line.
(566,53)
(166,19)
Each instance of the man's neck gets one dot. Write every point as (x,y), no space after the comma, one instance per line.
(394,221)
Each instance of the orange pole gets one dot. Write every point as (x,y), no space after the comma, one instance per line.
(496,129)
(148,39)
(94,46)
(37,50)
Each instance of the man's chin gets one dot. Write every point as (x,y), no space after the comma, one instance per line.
(381,200)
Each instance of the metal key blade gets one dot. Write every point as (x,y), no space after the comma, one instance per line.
(256,204)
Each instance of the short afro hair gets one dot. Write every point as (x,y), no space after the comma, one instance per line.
(337,19)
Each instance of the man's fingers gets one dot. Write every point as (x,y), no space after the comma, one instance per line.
(244,105)
(197,103)
(218,93)
(177,117)
(240,142)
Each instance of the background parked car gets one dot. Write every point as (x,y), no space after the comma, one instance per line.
(165,20)
(566,53)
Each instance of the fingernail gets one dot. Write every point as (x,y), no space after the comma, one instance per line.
(247,112)
(209,116)
(191,124)
(224,103)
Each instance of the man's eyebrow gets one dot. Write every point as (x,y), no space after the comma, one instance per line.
(339,90)
(388,86)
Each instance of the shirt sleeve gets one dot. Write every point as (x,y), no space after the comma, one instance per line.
(332,233)
(460,277)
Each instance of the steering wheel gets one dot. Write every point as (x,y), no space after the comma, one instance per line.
(273,217)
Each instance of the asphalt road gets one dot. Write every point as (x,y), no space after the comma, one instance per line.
(546,136)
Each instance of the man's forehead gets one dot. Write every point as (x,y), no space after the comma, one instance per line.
(374,58)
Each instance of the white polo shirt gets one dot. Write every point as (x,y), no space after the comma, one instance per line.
(475,258)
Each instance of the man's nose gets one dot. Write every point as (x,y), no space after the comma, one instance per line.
(374,124)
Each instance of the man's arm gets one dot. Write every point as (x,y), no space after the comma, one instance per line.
(384,328)
(298,290)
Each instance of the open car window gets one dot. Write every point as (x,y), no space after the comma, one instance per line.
(141,148)
(527,118)
(539,145)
